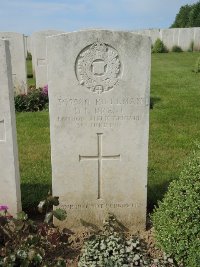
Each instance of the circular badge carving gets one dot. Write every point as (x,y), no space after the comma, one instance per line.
(98,67)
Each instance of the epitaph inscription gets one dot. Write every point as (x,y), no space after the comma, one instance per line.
(98,67)
(2,131)
(99,157)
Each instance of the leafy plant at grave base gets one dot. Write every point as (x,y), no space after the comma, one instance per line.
(177,218)
(46,206)
(26,243)
(197,66)
(110,248)
(177,48)
(34,100)
(159,47)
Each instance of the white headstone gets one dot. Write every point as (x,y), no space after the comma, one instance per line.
(176,36)
(27,43)
(154,34)
(9,166)
(18,60)
(186,37)
(39,61)
(99,122)
(197,39)
(169,37)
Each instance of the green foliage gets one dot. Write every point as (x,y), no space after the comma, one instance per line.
(46,206)
(110,248)
(34,100)
(197,65)
(177,48)
(30,77)
(26,243)
(177,219)
(182,18)
(159,47)
(29,56)
(188,16)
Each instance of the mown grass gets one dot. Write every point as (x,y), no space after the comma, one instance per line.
(174,128)
(174,119)
(31,81)
(34,157)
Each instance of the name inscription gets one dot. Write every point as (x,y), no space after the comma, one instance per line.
(101,112)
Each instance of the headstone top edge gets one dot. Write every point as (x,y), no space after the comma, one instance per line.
(65,34)
(16,33)
(47,31)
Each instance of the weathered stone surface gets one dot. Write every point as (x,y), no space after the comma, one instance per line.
(9,177)
(18,60)
(99,122)
(38,48)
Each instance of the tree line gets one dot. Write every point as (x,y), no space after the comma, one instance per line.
(188,16)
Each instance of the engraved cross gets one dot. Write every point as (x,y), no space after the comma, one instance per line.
(99,157)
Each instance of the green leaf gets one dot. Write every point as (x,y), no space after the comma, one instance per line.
(22,216)
(60,214)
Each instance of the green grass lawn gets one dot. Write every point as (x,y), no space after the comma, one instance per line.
(174,129)
(31,81)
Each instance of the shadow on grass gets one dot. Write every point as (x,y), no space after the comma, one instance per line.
(154,101)
(32,194)
(156,192)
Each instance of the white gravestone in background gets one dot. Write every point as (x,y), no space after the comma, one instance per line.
(9,166)
(18,60)
(169,38)
(39,62)
(186,37)
(99,122)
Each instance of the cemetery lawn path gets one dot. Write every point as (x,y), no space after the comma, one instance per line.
(174,129)
(34,157)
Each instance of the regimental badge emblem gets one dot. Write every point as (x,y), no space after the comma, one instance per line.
(98,67)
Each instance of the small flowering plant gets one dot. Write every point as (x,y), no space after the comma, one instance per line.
(24,242)
(45,90)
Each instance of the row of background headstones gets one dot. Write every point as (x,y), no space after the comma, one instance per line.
(182,37)
(35,44)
